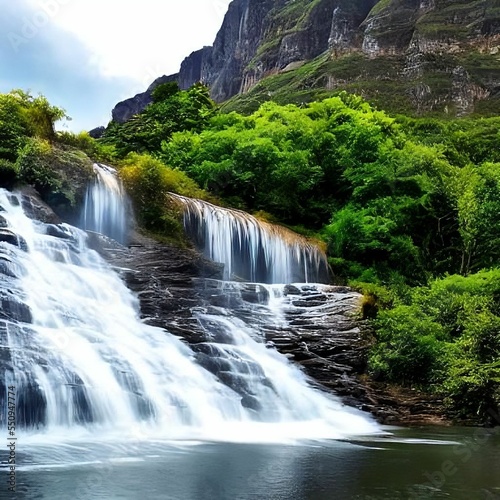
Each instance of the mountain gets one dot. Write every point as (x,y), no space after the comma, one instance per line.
(413,56)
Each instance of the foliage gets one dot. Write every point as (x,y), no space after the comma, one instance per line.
(40,115)
(282,159)
(35,167)
(408,348)
(14,127)
(95,150)
(447,337)
(148,182)
(172,110)
(23,116)
(59,174)
(8,173)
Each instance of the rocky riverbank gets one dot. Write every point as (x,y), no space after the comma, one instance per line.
(321,329)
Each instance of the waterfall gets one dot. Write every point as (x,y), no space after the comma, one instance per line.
(106,208)
(251,249)
(82,362)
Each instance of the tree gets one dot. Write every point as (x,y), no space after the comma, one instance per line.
(172,110)
(40,115)
(14,127)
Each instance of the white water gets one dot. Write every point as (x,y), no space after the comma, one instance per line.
(86,365)
(106,208)
(251,249)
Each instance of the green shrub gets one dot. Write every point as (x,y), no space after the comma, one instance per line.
(95,150)
(447,340)
(35,166)
(8,173)
(409,347)
(472,389)
(148,181)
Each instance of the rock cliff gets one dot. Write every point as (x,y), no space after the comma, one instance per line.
(405,55)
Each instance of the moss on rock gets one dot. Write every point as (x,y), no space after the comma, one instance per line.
(60,173)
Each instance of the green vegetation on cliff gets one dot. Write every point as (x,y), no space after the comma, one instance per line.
(58,164)
(403,56)
(172,110)
(407,207)
(446,337)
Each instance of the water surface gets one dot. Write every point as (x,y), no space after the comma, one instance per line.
(410,463)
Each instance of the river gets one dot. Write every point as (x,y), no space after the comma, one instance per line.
(456,463)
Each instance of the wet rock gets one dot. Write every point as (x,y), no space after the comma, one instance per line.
(13,239)
(340,289)
(14,200)
(292,290)
(251,402)
(100,243)
(8,267)
(35,208)
(255,294)
(31,405)
(58,232)
(12,308)
(308,303)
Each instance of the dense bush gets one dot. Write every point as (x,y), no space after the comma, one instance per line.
(447,338)
(285,160)
(23,116)
(95,150)
(14,127)
(148,181)
(172,110)
(8,173)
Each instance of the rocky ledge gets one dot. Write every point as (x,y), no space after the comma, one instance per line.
(320,329)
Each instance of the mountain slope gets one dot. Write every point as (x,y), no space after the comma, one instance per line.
(415,56)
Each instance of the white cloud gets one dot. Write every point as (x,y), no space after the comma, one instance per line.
(137,39)
(87,55)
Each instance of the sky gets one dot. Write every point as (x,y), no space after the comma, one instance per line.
(87,55)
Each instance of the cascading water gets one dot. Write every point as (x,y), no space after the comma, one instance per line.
(72,344)
(250,249)
(106,208)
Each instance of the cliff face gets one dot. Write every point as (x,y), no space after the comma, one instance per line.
(263,37)
(433,55)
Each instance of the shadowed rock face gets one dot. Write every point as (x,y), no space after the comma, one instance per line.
(261,37)
(423,38)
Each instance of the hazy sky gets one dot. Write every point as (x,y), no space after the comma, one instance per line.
(86,55)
